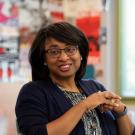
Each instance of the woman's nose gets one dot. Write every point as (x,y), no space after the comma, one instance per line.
(63,55)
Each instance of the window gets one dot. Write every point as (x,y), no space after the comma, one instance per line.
(127,45)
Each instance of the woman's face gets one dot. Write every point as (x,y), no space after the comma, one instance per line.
(62,65)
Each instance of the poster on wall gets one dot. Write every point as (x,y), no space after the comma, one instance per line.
(9,41)
(90,25)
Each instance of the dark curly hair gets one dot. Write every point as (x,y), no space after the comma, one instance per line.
(63,32)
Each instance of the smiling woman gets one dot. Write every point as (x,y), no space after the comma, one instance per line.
(58,101)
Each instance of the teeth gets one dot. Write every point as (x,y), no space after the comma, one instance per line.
(64,67)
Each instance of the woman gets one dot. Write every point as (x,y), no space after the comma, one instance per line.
(58,101)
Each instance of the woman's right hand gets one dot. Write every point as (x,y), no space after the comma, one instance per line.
(98,98)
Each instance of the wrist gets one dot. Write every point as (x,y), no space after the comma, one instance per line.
(120,114)
(84,105)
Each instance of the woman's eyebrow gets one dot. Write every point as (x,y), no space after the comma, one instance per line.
(53,45)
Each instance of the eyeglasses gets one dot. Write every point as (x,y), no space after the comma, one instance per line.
(56,52)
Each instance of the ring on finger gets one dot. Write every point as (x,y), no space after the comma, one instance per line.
(112,101)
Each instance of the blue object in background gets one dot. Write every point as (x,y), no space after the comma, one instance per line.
(90,72)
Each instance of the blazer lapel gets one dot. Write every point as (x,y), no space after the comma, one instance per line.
(57,95)
(87,87)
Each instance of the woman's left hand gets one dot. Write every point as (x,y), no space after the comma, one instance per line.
(111,107)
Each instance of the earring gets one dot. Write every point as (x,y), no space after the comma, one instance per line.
(45,64)
(81,58)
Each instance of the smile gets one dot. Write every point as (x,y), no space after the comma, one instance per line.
(64,67)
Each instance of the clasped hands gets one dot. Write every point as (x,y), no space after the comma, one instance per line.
(105,101)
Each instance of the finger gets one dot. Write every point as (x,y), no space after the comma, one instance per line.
(111,102)
(108,107)
(109,95)
(116,102)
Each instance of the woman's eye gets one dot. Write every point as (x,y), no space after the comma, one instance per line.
(54,51)
(70,49)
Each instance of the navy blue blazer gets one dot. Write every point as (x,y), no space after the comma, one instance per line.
(40,102)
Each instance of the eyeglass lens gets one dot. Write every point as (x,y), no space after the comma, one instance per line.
(55,52)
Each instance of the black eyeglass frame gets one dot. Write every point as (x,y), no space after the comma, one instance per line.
(48,51)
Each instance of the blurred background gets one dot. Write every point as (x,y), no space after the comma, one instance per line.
(108,24)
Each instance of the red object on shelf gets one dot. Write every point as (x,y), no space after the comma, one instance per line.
(1,73)
(1,50)
(9,72)
(57,16)
(90,25)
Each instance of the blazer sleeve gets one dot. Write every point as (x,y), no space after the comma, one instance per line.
(31,110)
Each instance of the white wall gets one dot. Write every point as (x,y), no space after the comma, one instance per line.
(8,96)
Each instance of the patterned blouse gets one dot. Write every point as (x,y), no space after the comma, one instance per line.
(90,118)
